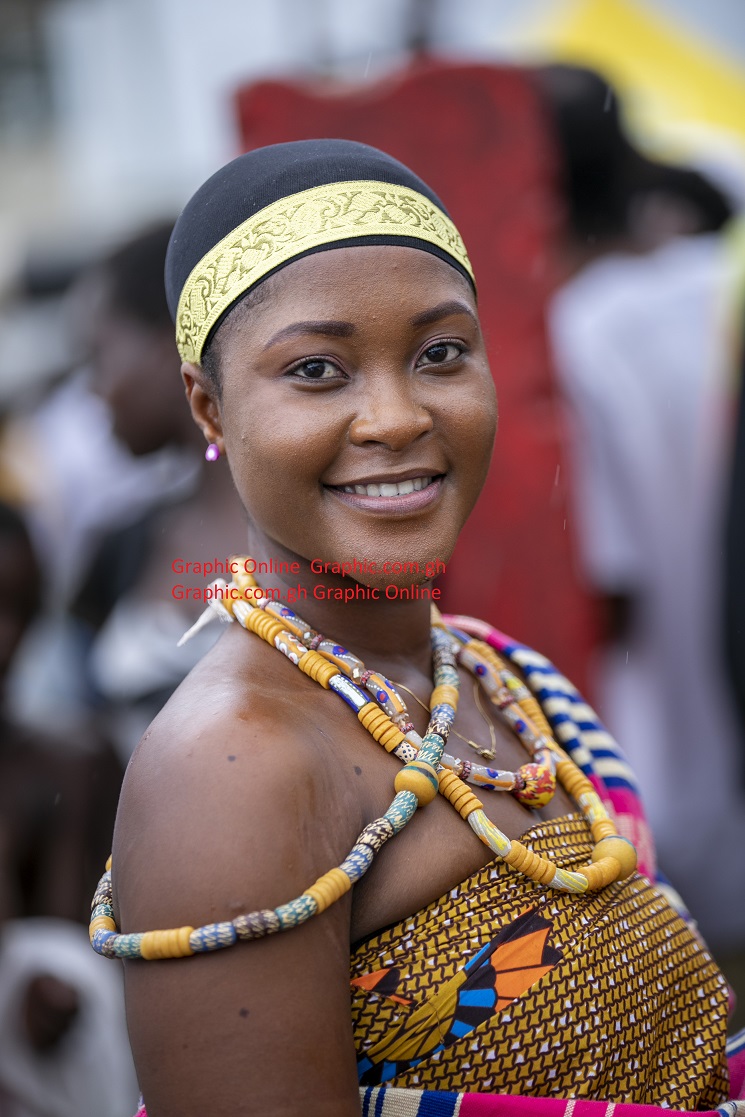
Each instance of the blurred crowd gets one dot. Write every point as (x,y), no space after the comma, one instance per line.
(103,484)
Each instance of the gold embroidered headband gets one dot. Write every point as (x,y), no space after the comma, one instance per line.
(294,225)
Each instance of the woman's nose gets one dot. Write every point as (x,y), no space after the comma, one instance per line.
(391,417)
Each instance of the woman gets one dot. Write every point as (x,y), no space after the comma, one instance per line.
(327,319)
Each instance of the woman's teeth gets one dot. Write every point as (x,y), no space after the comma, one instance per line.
(401,489)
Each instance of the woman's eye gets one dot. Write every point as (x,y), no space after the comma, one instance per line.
(316,369)
(441,354)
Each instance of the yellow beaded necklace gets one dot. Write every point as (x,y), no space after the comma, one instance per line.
(416,784)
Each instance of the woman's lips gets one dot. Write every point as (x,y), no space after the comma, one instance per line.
(417,493)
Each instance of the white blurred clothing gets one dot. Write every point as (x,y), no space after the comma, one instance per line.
(643,348)
(80,483)
(135,659)
(90,1073)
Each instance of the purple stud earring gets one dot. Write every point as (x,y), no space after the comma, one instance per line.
(212,453)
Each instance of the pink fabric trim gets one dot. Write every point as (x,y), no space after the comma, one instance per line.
(736,1064)
(512,1105)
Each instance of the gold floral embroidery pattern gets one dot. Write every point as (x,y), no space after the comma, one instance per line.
(292,225)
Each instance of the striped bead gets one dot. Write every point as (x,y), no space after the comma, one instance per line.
(128,946)
(103,941)
(213,936)
(401,810)
(431,749)
(296,911)
(256,924)
(104,908)
(358,861)
(104,892)
(352,694)
(376,834)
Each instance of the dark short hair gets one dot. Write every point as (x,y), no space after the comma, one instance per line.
(135,272)
(210,363)
(601,167)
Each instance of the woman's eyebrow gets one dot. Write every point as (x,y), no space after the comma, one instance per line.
(442,310)
(330,328)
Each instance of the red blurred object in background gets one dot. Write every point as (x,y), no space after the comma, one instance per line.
(479,136)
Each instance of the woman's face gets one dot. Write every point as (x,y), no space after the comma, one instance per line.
(357,410)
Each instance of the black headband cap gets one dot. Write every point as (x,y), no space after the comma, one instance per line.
(256,180)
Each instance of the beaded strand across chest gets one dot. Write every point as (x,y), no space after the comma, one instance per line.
(427,769)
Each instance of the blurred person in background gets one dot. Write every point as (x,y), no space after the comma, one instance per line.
(118,493)
(58,796)
(734,582)
(131,596)
(77,483)
(63,1049)
(642,341)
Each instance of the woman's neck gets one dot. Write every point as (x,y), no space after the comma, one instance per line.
(390,636)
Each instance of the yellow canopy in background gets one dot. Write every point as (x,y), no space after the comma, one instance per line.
(680,91)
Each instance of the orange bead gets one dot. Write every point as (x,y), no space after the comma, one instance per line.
(101,923)
(600,874)
(263,624)
(420,778)
(329,888)
(603,828)
(458,793)
(444,694)
(173,943)
(530,707)
(621,850)
(379,725)
(317,668)
(531,864)
(574,782)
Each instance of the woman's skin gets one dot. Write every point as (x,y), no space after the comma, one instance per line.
(363,365)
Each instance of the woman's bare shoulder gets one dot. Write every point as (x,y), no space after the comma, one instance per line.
(229,807)
(237,763)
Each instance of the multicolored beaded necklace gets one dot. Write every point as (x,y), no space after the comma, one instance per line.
(427,769)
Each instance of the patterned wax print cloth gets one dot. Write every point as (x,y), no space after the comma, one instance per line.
(504,997)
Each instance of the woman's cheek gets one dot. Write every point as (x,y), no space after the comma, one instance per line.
(472,420)
(279,468)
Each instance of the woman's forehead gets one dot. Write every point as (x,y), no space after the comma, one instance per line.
(374,285)
(371,272)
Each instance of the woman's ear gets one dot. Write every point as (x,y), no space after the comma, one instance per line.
(200,393)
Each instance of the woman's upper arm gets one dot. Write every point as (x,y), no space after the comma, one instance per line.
(205,832)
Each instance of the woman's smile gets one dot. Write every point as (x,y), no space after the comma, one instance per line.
(388,497)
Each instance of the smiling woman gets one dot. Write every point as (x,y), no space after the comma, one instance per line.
(326,314)
(355,412)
